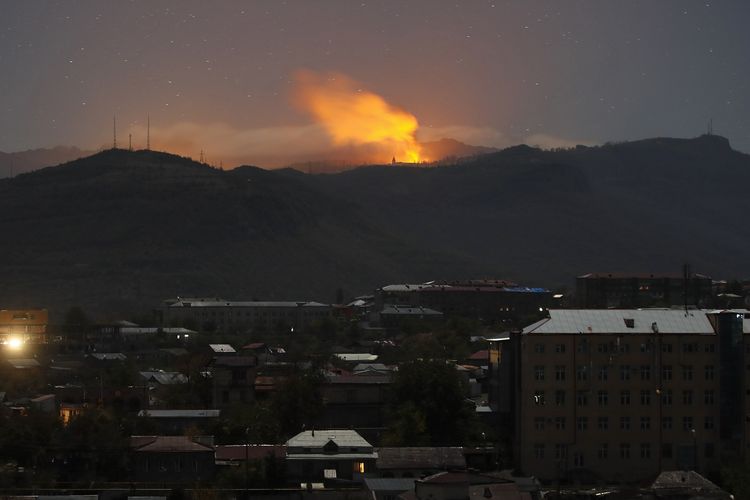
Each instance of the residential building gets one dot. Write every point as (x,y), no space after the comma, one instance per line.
(232,315)
(233,380)
(624,290)
(620,395)
(487,300)
(172,459)
(23,326)
(356,402)
(317,455)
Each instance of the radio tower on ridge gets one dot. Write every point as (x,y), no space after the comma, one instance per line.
(114,131)
(148,132)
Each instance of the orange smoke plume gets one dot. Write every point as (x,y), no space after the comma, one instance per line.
(355,117)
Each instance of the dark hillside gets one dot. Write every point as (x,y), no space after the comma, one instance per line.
(120,231)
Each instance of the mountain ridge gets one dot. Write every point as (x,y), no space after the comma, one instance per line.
(120,231)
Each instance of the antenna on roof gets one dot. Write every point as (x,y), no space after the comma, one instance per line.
(685,277)
(114,131)
(148,132)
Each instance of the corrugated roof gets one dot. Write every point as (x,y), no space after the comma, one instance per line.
(167,444)
(356,356)
(318,438)
(165,378)
(180,413)
(614,321)
(238,303)
(109,356)
(222,348)
(23,363)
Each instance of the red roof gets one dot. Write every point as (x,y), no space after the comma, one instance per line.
(483,354)
(166,444)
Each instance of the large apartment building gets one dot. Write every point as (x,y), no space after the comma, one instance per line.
(232,314)
(619,395)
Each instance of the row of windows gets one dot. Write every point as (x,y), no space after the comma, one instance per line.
(625,372)
(625,423)
(626,397)
(624,451)
(622,347)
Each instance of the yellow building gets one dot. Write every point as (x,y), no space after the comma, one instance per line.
(619,395)
(23,326)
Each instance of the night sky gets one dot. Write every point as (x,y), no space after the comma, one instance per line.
(220,76)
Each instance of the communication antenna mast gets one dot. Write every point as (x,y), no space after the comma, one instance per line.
(130,142)
(201,156)
(148,132)
(685,278)
(114,131)
(711,126)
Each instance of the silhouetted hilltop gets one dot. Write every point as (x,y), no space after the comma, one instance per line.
(120,230)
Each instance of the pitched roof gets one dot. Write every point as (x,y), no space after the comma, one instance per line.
(644,321)
(180,413)
(167,444)
(319,438)
(222,348)
(23,363)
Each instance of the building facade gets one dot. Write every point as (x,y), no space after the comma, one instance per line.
(620,395)
(622,290)
(231,315)
(23,326)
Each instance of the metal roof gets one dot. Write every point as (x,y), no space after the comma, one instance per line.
(318,438)
(249,303)
(180,413)
(356,356)
(221,348)
(644,321)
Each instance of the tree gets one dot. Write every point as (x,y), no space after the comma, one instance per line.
(298,402)
(76,324)
(428,406)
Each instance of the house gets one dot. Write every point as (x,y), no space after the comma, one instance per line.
(356,402)
(388,488)
(416,462)
(334,454)
(172,459)
(686,485)
(233,380)
(465,485)
(173,422)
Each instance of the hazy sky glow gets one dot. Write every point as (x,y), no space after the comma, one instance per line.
(220,76)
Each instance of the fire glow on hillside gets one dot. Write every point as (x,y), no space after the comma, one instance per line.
(356,117)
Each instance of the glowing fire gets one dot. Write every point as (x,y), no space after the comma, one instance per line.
(356,117)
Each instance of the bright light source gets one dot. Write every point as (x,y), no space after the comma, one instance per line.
(15,343)
(557,296)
